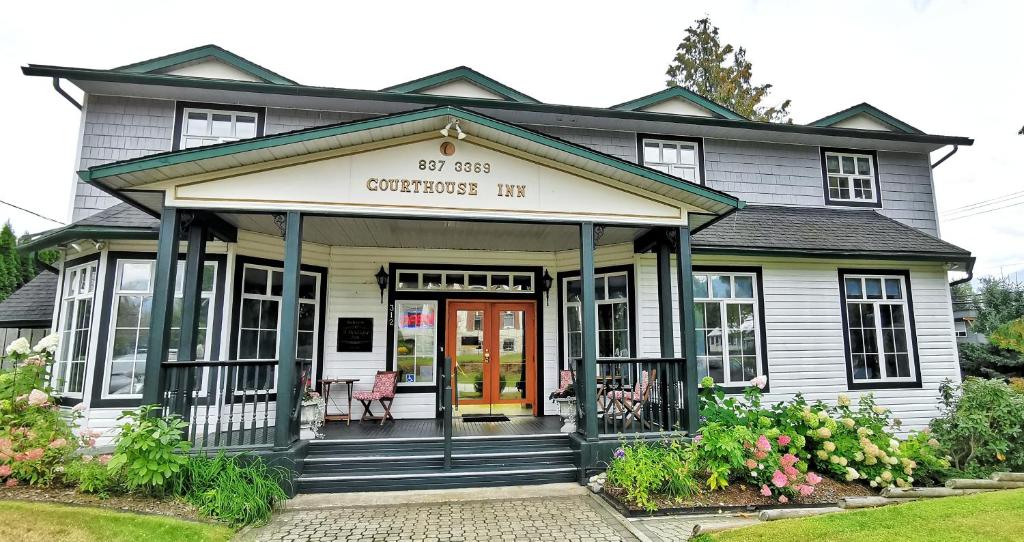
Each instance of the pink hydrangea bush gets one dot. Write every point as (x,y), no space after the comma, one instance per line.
(774,466)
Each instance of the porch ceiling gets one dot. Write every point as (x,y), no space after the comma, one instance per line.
(433,234)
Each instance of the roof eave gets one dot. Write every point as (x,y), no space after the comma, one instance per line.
(75,74)
(945,257)
(75,233)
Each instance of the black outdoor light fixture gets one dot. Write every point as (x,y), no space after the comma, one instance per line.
(382,281)
(547,286)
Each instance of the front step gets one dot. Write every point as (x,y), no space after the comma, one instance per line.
(418,463)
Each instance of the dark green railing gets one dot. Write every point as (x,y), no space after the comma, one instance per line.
(635,395)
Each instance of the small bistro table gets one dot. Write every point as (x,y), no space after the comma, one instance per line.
(326,385)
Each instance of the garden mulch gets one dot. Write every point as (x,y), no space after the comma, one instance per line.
(125,503)
(740,496)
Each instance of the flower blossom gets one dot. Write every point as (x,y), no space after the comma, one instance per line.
(805,490)
(619,453)
(34,454)
(783,499)
(760,455)
(5,471)
(813,479)
(759,382)
(697,439)
(784,440)
(47,343)
(38,398)
(58,443)
(104,459)
(765,491)
(788,460)
(19,346)
(878,409)
(80,407)
(824,432)
(11,483)
(751,464)
(844,400)
(779,479)
(763,444)
(35,360)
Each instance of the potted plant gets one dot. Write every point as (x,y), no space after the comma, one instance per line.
(311,417)
(566,399)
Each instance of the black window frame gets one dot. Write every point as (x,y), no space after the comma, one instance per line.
(560,277)
(911,322)
(877,204)
(179,113)
(699,141)
(762,329)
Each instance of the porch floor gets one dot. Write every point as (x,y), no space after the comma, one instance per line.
(516,425)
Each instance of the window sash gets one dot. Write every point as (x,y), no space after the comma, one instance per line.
(419,351)
(75,329)
(676,158)
(137,359)
(882,347)
(201,138)
(852,179)
(707,295)
(614,341)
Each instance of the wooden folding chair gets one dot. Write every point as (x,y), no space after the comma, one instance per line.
(630,404)
(385,384)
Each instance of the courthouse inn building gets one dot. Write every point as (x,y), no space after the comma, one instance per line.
(461,250)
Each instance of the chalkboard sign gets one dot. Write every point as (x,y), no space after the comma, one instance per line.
(355,334)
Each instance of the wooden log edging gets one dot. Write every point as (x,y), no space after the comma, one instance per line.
(1008,476)
(852,503)
(964,483)
(725,525)
(927,492)
(775,515)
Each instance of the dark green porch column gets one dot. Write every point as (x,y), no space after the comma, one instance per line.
(284,433)
(587,370)
(665,320)
(687,330)
(163,304)
(192,289)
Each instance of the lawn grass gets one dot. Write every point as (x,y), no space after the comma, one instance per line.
(39,522)
(987,516)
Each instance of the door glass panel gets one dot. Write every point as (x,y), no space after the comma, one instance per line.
(469,354)
(512,363)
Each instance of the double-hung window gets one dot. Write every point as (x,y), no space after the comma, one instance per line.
(879,334)
(130,325)
(201,127)
(677,158)
(74,326)
(611,295)
(850,178)
(259,324)
(727,321)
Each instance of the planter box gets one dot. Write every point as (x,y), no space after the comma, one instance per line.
(311,418)
(567,410)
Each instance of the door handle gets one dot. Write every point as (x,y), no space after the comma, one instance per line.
(487,356)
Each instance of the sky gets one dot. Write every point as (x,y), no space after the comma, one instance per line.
(946,67)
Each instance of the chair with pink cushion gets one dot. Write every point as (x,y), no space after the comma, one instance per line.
(385,384)
(631,403)
(565,380)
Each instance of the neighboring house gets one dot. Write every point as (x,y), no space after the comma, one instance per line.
(965,313)
(28,312)
(455,217)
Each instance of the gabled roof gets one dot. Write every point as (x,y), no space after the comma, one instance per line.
(164,63)
(806,231)
(32,304)
(122,221)
(461,73)
(871,111)
(677,92)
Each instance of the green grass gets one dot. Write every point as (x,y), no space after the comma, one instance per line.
(987,516)
(39,522)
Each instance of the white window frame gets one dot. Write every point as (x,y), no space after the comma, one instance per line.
(876,304)
(117,294)
(72,293)
(266,296)
(960,328)
(209,138)
(850,179)
(723,304)
(398,315)
(492,284)
(566,304)
(669,167)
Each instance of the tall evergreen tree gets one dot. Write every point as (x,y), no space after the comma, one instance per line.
(10,264)
(721,73)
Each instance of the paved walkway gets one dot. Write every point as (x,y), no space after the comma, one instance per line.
(565,513)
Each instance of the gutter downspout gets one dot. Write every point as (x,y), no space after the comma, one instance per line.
(968,278)
(944,158)
(62,92)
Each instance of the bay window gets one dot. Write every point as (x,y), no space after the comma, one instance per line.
(77,297)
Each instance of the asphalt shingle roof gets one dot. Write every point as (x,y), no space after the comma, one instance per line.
(121,215)
(818,229)
(32,303)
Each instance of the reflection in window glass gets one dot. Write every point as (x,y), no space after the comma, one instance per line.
(878,332)
(727,326)
(415,341)
(611,292)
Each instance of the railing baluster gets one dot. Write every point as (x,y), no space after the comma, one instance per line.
(255,398)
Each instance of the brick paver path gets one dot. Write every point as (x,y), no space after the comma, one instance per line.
(571,518)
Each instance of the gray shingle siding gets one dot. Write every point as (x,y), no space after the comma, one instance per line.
(759,173)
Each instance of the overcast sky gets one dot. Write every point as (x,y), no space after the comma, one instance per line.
(946,67)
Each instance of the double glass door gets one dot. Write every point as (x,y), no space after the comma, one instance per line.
(493,350)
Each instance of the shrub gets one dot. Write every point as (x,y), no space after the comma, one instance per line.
(92,475)
(926,452)
(981,427)
(240,490)
(646,469)
(149,449)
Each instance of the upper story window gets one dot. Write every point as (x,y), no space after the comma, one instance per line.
(879,321)
(74,327)
(679,158)
(851,178)
(199,125)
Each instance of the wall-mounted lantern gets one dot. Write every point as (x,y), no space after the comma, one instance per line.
(548,281)
(382,281)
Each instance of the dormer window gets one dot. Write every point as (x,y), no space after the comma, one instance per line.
(677,157)
(851,178)
(200,125)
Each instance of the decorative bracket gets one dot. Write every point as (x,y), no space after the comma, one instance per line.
(598,233)
(281,221)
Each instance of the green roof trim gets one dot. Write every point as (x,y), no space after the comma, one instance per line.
(206,51)
(76,75)
(72,232)
(682,93)
(454,74)
(870,110)
(225,149)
